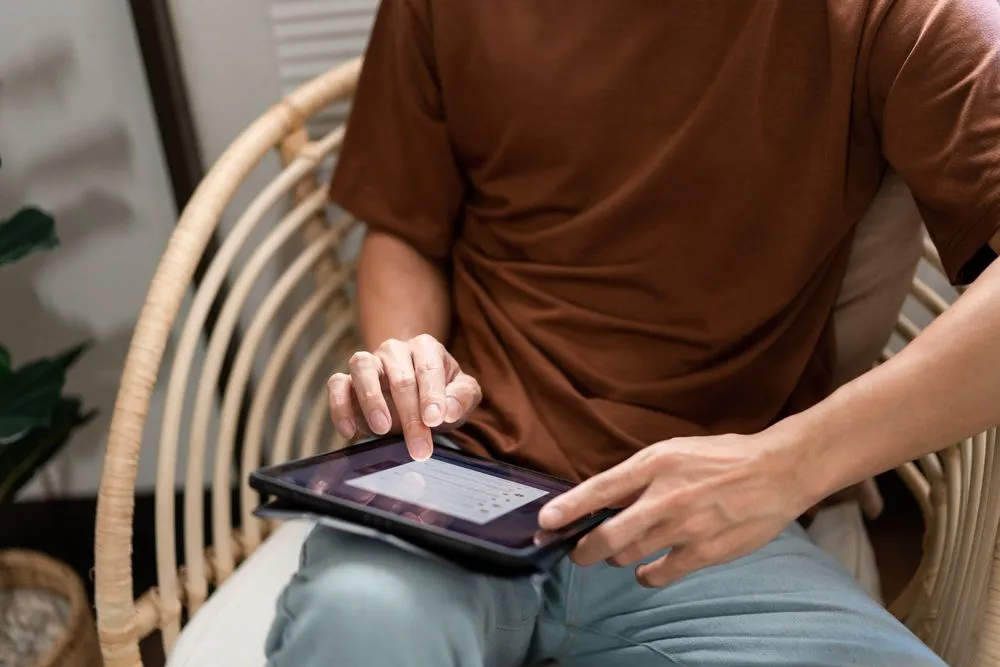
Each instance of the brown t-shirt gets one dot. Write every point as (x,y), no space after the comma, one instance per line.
(647,206)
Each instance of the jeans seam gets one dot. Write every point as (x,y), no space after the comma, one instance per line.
(510,628)
(628,642)
(512,601)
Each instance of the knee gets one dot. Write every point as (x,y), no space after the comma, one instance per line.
(352,592)
(354,597)
(344,611)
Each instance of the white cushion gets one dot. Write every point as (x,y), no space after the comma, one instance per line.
(840,531)
(230,628)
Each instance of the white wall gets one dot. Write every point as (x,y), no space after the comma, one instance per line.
(240,56)
(77,136)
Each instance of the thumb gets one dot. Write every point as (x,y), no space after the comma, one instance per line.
(462,395)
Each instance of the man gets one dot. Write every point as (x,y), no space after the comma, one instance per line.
(623,226)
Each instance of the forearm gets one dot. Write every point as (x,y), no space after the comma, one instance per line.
(401,293)
(942,387)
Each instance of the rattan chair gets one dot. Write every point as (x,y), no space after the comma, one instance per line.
(953,602)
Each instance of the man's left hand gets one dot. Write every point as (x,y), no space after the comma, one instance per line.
(709,499)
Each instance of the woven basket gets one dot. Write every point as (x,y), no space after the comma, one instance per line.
(78,646)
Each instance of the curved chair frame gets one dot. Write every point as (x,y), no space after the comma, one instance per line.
(952,603)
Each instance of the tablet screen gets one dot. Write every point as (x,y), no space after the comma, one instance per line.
(484,499)
(453,490)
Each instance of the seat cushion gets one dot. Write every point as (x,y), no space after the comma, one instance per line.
(231,627)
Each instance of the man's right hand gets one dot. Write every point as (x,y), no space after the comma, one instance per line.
(408,387)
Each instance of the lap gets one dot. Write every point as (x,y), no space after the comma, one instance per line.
(787,604)
(374,605)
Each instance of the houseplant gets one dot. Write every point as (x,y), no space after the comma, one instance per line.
(45,618)
(36,419)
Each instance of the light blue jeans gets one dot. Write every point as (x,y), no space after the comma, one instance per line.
(357,602)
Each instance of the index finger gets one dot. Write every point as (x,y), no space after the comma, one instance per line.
(398,364)
(602,491)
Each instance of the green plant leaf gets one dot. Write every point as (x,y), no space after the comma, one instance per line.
(20,461)
(29,230)
(4,362)
(69,357)
(27,398)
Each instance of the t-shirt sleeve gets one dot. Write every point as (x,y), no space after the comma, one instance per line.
(934,86)
(396,170)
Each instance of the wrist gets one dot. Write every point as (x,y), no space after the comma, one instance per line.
(854,434)
(819,460)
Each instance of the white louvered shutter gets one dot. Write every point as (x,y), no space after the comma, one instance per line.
(312,36)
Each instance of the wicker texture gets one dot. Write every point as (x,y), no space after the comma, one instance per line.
(121,620)
(78,644)
(953,603)
(949,600)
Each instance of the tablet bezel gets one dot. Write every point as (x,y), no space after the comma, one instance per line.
(268,480)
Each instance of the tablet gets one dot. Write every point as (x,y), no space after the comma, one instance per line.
(476,512)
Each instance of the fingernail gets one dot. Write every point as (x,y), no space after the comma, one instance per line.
(379,422)
(346,428)
(453,411)
(550,517)
(421,449)
(432,415)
